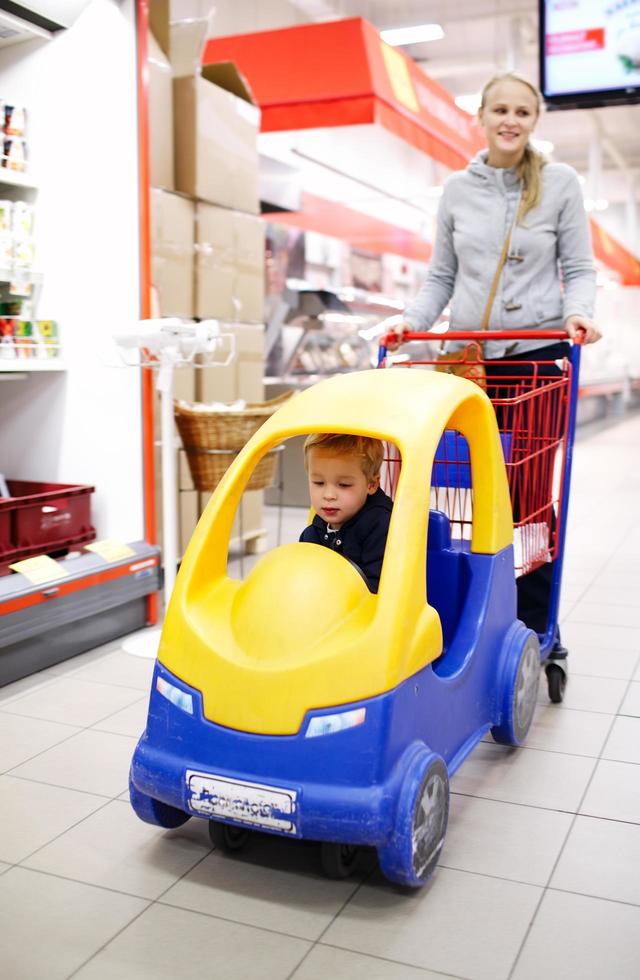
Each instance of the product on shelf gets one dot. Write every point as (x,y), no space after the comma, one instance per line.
(14,155)
(48,332)
(25,339)
(14,120)
(7,345)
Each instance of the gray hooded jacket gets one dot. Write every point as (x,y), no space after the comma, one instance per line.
(476,209)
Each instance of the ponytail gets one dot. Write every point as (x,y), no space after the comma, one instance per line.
(530,173)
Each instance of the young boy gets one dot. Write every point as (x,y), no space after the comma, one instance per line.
(352,512)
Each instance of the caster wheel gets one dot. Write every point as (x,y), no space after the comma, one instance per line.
(520,693)
(226,837)
(413,850)
(338,860)
(556,682)
(154,811)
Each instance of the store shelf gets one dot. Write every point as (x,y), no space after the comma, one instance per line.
(8,275)
(29,365)
(13,178)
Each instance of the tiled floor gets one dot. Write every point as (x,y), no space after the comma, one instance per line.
(539,877)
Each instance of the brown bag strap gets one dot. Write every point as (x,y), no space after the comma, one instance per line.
(496,279)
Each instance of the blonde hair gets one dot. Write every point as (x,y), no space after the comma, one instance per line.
(529,170)
(370,452)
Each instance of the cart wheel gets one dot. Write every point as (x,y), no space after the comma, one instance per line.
(411,855)
(227,837)
(520,694)
(154,811)
(556,682)
(338,860)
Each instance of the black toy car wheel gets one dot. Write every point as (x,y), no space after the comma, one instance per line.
(556,682)
(227,837)
(338,860)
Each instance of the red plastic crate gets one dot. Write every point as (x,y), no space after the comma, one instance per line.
(42,517)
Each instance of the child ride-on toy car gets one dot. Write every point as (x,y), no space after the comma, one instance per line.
(297,702)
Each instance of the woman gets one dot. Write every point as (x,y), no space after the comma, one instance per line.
(508,222)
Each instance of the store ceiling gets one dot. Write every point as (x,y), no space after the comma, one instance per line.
(482,36)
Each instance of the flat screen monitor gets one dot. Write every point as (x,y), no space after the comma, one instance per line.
(589,52)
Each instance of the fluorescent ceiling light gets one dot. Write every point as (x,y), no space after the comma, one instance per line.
(543,146)
(469,103)
(412,35)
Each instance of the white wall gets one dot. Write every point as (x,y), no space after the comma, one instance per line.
(248,16)
(85,426)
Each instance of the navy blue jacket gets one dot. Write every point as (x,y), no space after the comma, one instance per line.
(361,539)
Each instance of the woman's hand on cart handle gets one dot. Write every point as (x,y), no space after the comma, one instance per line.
(394,337)
(582,330)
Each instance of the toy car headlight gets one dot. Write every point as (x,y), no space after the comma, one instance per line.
(329,724)
(172,693)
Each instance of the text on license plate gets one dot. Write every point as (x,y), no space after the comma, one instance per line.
(250,803)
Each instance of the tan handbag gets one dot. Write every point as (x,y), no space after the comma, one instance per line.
(466,363)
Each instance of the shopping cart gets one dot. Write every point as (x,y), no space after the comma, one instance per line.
(535,403)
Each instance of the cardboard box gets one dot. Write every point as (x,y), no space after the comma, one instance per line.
(229,265)
(216,131)
(244,376)
(172,262)
(160,117)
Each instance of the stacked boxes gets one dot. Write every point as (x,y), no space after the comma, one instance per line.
(207,236)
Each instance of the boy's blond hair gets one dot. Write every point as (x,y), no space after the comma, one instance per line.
(370,452)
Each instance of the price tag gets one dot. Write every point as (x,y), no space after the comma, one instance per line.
(110,550)
(40,569)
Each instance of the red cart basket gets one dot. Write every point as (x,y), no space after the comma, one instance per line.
(535,403)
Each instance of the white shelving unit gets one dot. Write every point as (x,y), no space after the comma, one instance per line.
(15,178)
(20,366)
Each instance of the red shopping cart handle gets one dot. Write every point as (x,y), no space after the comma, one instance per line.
(486,335)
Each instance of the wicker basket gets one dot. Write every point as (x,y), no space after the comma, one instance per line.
(203,428)
(212,440)
(208,466)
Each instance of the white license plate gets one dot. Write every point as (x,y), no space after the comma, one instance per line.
(249,803)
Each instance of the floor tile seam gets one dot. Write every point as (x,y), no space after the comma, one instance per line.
(493,877)
(72,789)
(78,730)
(66,830)
(386,959)
(112,714)
(599,898)
(91,680)
(336,914)
(561,849)
(77,881)
(588,711)
(528,806)
(18,697)
(534,748)
(107,942)
(224,918)
(600,677)
(150,904)
(83,728)
(534,915)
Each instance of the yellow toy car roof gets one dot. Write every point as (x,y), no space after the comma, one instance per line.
(303,631)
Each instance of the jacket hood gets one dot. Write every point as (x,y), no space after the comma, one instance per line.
(479,167)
